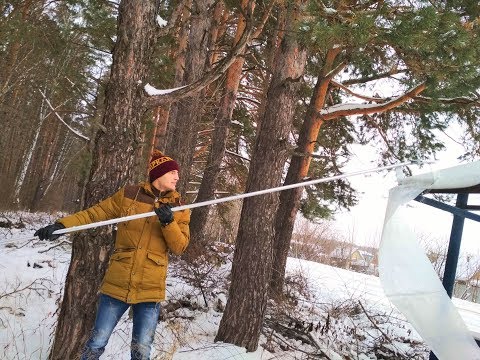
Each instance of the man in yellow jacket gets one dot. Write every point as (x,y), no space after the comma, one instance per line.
(137,270)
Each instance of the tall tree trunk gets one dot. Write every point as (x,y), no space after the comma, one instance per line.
(160,122)
(242,320)
(26,159)
(115,156)
(298,169)
(272,48)
(182,129)
(25,13)
(170,112)
(219,140)
(219,18)
(16,136)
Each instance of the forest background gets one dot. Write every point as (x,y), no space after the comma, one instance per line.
(267,93)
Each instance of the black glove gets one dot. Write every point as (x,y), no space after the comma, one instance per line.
(46,233)
(165,214)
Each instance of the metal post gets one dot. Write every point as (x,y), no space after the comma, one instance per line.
(453,251)
(454,246)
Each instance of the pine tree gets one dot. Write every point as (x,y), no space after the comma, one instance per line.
(242,320)
(49,86)
(419,49)
(219,139)
(116,158)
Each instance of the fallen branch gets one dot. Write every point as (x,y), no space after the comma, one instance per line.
(295,333)
(374,323)
(385,336)
(57,245)
(27,287)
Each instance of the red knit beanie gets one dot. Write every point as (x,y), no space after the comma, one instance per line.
(160,165)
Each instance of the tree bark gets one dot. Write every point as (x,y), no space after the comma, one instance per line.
(219,140)
(242,320)
(116,153)
(300,163)
(15,139)
(37,152)
(183,126)
(170,112)
(298,169)
(13,49)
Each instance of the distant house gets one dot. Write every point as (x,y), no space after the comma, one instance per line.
(361,260)
(357,259)
(467,280)
(475,279)
(467,275)
(340,256)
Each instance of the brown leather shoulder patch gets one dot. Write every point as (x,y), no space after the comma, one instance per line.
(144,197)
(131,191)
(137,193)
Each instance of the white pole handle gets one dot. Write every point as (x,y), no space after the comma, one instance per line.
(229,198)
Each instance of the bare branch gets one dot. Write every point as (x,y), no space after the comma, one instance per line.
(335,111)
(173,19)
(384,75)
(57,245)
(60,118)
(351,92)
(383,136)
(237,155)
(18,289)
(266,15)
(188,90)
(461,100)
(331,74)
(385,336)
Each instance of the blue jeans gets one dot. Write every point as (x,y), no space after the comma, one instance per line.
(110,310)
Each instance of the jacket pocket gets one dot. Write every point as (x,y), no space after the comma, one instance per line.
(122,256)
(155,271)
(156,258)
(119,268)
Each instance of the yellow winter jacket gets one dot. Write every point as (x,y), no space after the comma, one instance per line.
(137,269)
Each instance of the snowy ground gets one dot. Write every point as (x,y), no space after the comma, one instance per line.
(333,313)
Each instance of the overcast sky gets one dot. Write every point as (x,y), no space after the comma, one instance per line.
(364,222)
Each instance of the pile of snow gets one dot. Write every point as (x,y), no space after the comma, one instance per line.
(330,312)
